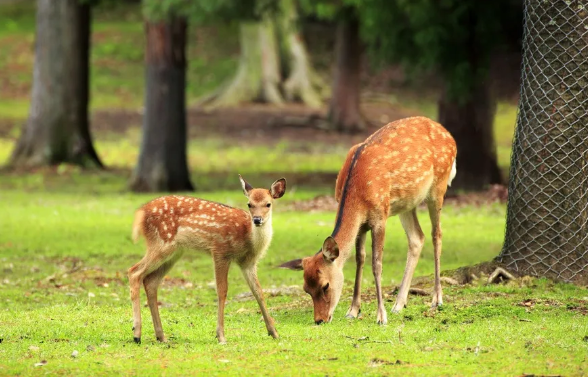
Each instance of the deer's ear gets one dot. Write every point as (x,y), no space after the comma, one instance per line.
(278,188)
(330,249)
(246,186)
(295,265)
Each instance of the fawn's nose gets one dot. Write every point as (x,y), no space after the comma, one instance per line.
(319,321)
(257,220)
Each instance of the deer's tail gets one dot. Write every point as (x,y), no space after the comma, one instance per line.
(138,225)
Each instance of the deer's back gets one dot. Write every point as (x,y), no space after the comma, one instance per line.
(399,164)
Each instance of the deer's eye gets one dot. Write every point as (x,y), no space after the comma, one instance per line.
(325,288)
(249,205)
(268,205)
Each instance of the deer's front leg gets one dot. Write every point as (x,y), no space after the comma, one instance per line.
(250,274)
(221,272)
(355,308)
(378,236)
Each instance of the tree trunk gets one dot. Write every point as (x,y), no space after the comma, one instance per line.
(470,120)
(162,162)
(471,124)
(344,113)
(258,75)
(302,82)
(547,217)
(57,130)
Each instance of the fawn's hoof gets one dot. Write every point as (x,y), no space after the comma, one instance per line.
(137,340)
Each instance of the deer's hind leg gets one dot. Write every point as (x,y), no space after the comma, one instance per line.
(416,239)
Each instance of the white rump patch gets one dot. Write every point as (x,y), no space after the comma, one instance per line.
(452,174)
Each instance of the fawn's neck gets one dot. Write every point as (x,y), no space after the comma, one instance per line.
(261,236)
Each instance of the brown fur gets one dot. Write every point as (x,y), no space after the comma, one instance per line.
(401,165)
(172,224)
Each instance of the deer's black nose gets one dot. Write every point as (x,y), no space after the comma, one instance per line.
(257,220)
(319,321)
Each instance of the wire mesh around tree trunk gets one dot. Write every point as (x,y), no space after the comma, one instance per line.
(547,215)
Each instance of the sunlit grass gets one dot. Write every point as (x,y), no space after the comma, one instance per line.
(64,255)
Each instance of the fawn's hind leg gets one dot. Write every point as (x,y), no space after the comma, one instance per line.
(136,274)
(151,283)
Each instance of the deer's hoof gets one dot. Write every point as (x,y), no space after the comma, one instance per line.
(137,340)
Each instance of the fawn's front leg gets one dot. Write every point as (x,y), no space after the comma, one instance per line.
(221,272)
(250,274)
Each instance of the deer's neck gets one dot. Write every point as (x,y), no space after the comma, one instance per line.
(345,233)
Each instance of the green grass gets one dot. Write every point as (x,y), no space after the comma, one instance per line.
(64,255)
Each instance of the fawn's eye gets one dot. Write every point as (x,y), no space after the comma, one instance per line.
(326,287)
(268,205)
(249,205)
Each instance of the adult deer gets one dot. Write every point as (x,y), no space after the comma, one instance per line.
(172,224)
(401,165)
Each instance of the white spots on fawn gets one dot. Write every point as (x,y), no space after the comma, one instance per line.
(154,209)
(199,207)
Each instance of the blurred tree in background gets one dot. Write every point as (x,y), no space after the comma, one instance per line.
(57,129)
(274,65)
(162,164)
(344,114)
(456,39)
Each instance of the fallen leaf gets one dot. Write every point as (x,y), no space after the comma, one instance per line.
(74,354)
(41,363)
(224,361)
(33,348)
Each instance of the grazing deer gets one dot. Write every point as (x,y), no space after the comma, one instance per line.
(171,224)
(401,165)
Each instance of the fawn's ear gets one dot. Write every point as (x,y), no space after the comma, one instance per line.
(246,186)
(295,265)
(278,188)
(330,249)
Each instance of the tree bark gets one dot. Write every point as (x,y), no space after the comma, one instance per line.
(57,130)
(302,83)
(344,114)
(547,217)
(471,124)
(258,75)
(162,164)
(470,119)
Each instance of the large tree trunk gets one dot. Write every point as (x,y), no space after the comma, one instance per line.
(344,113)
(162,162)
(258,75)
(57,130)
(547,218)
(471,124)
(302,82)
(471,121)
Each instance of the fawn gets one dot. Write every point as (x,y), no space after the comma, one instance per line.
(171,224)
(395,169)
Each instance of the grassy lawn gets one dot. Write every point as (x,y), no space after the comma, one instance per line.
(64,254)
(65,247)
